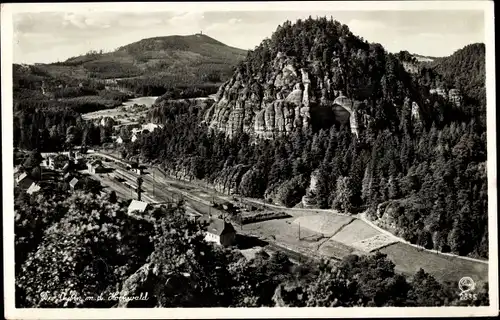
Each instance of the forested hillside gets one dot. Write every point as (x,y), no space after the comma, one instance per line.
(153,66)
(465,70)
(415,158)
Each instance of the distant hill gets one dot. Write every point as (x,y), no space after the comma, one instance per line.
(149,66)
(191,55)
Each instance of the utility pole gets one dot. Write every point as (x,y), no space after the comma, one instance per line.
(154,183)
(299,230)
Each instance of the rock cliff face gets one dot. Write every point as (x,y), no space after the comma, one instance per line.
(306,200)
(454,95)
(410,67)
(290,98)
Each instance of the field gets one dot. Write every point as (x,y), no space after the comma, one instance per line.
(327,224)
(354,232)
(409,260)
(374,243)
(335,249)
(124,114)
(285,232)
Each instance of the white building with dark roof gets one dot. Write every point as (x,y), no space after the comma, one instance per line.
(221,232)
(137,206)
(74,183)
(34,187)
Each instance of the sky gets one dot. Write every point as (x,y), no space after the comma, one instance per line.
(55,36)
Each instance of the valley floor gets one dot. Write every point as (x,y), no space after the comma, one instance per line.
(312,233)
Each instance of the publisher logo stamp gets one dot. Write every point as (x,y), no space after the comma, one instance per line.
(467,286)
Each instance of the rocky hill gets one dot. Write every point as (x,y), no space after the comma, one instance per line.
(310,75)
(404,140)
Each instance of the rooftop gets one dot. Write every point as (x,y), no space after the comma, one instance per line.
(24,175)
(33,188)
(137,205)
(73,182)
(219,226)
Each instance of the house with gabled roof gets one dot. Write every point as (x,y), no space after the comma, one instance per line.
(24,181)
(95,167)
(22,176)
(220,231)
(137,206)
(34,187)
(75,183)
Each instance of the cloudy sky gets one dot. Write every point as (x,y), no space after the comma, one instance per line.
(56,36)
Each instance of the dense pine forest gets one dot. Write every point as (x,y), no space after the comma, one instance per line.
(421,174)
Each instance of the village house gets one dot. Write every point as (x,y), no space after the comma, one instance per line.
(24,181)
(95,167)
(221,232)
(75,184)
(137,206)
(134,137)
(34,187)
(121,140)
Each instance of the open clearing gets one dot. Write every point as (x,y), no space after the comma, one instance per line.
(327,224)
(374,243)
(354,232)
(409,260)
(283,231)
(124,114)
(335,249)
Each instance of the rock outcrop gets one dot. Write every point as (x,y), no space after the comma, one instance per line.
(453,95)
(410,67)
(415,111)
(139,284)
(289,98)
(306,200)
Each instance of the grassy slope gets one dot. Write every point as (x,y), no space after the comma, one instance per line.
(409,260)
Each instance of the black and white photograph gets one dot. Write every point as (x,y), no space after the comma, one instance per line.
(279,159)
